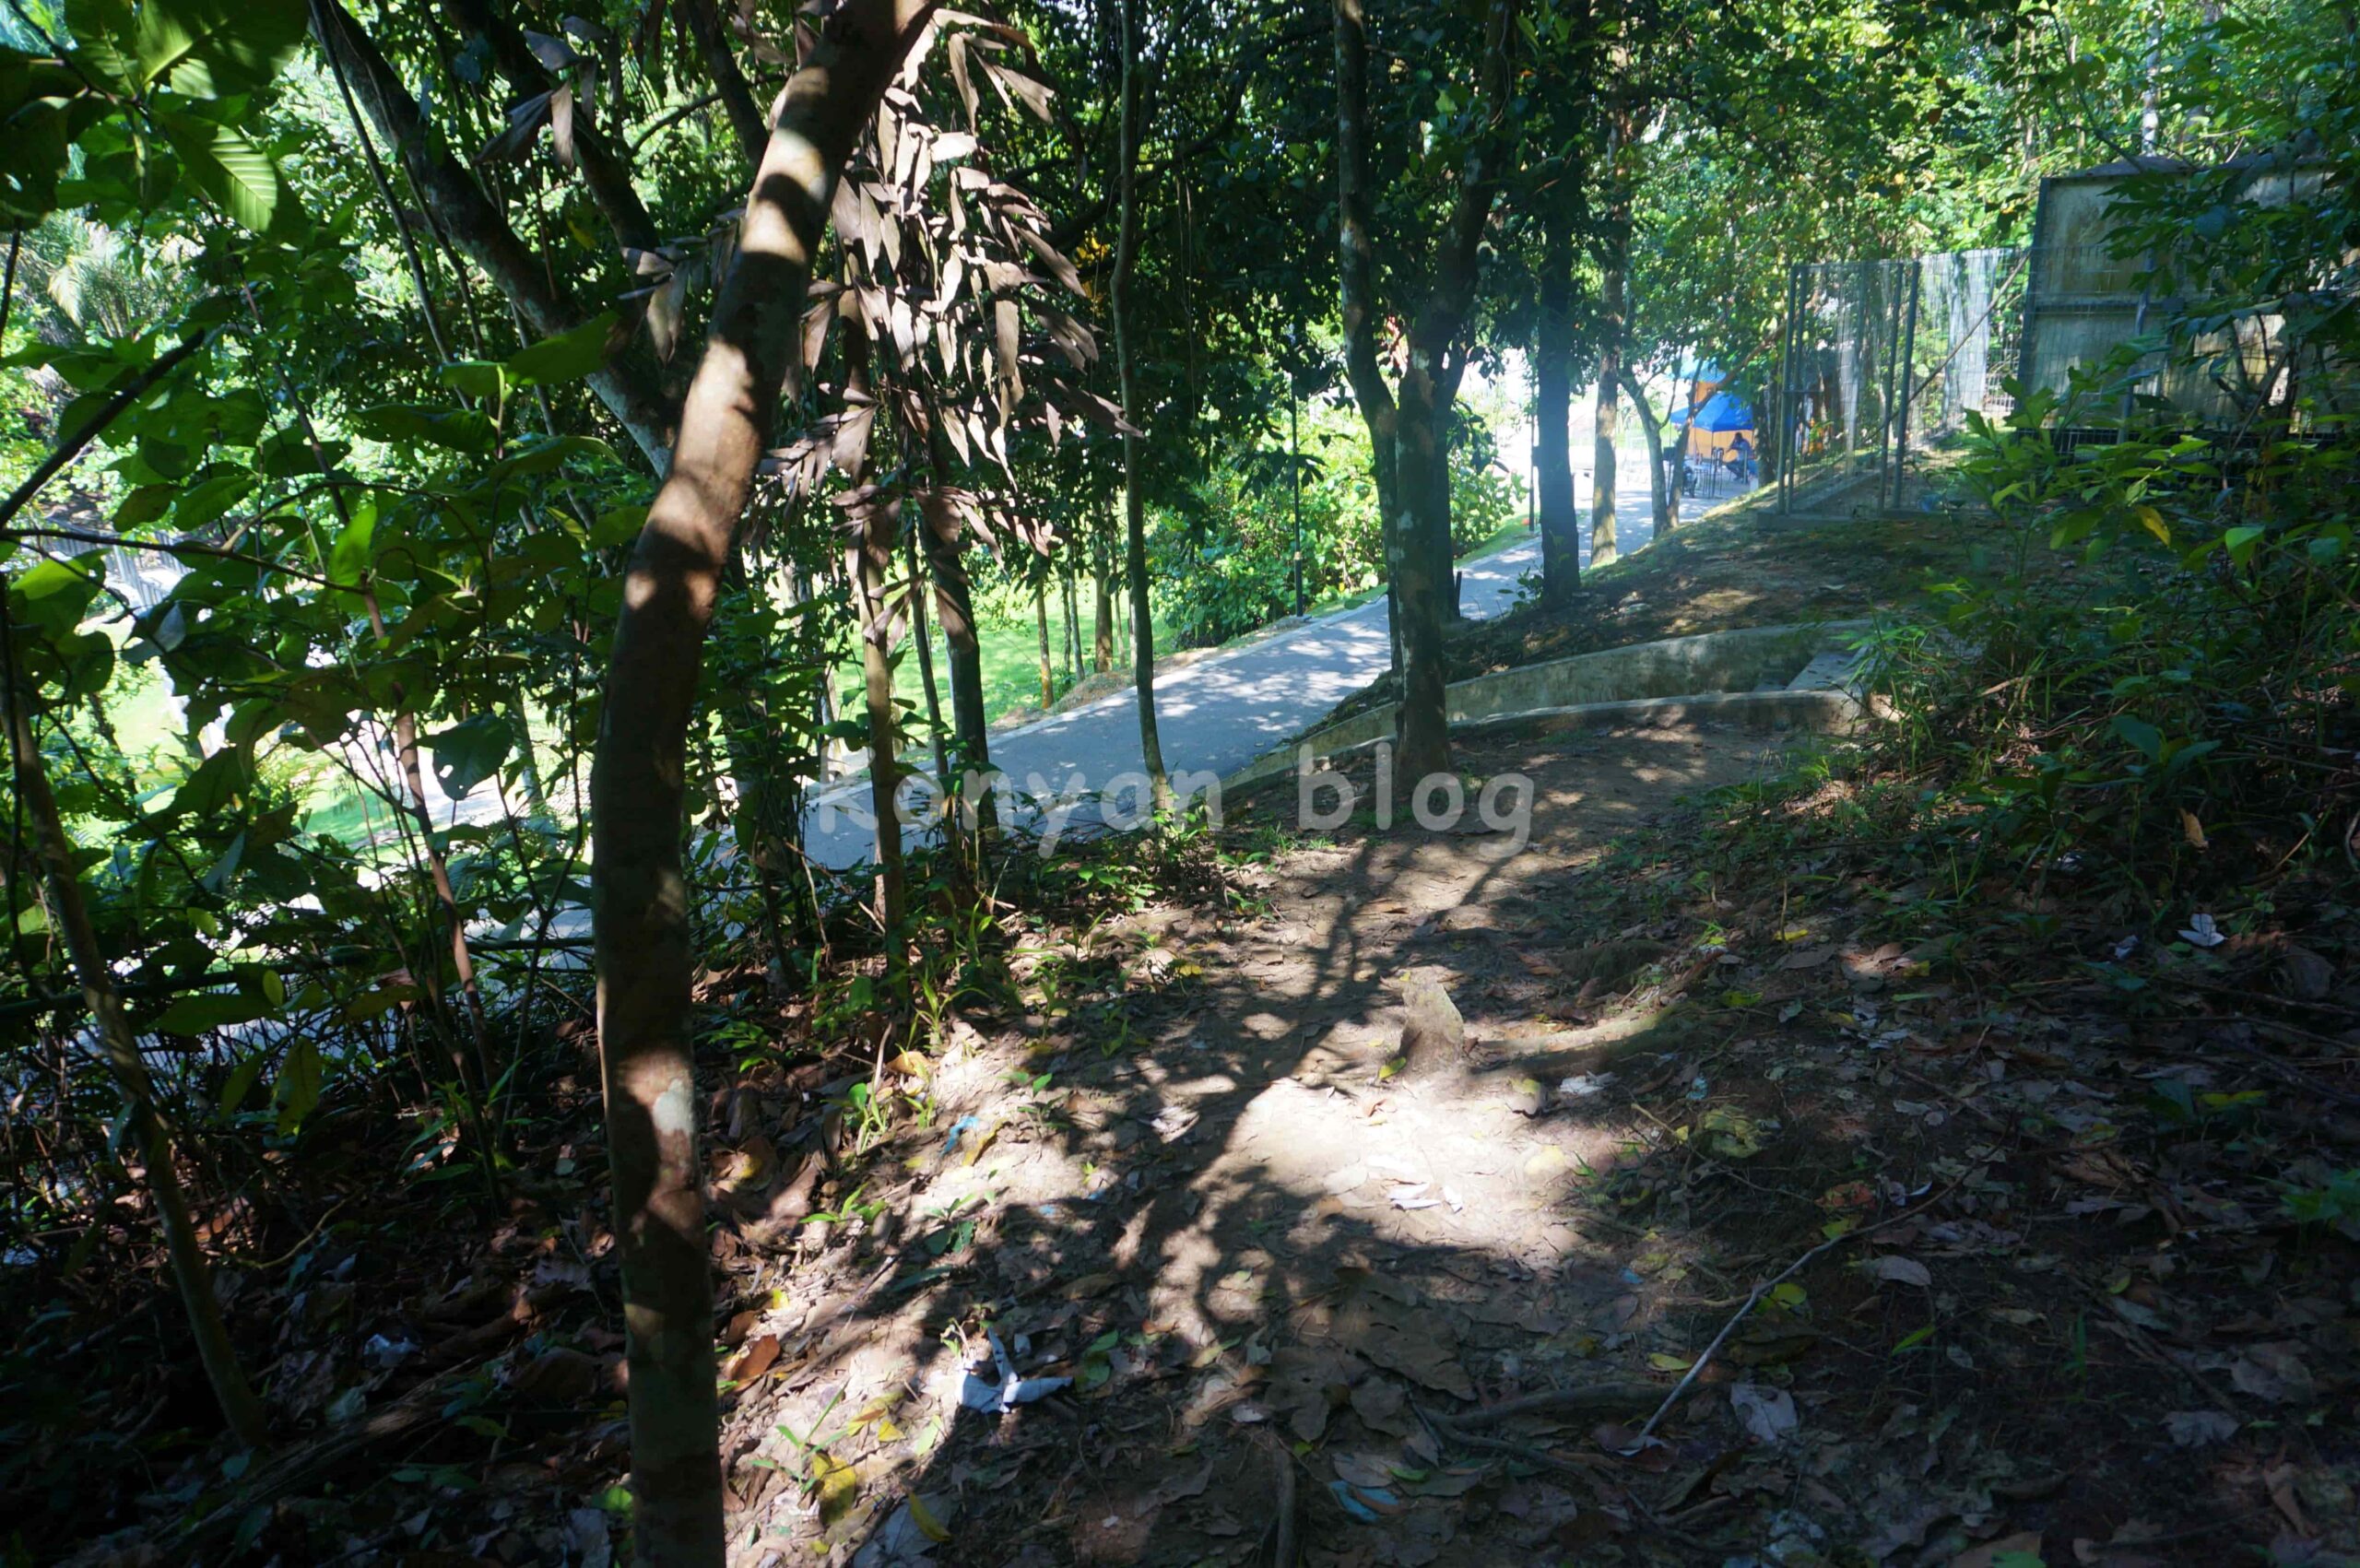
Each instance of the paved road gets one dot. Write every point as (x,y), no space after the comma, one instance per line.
(1218,714)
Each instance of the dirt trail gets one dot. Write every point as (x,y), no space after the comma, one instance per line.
(2063,1311)
(1225,1223)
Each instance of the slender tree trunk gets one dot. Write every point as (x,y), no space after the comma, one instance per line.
(954,602)
(1126,253)
(1552,399)
(1614,279)
(922,636)
(870,559)
(1417,549)
(1603,551)
(479,229)
(868,562)
(606,168)
(121,1047)
(1041,620)
(643,918)
(393,205)
(1073,625)
(728,82)
(1652,430)
(1101,644)
(1356,271)
(1420,584)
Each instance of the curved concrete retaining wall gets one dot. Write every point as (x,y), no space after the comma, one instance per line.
(1766,675)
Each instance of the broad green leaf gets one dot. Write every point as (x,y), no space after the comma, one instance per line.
(461,430)
(241,1082)
(568,356)
(618,526)
(104,46)
(55,594)
(348,558)
(210,1009)
(227,167)
(479,379)
(2146,737)
(470,751)
(207,48)
(297,1090)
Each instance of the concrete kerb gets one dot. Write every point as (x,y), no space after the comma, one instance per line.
(1712,675)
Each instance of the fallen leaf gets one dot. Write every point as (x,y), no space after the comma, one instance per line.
(2273,1372)
(839,1485)
(756,1359)
(1767,1413)
(2199,1429)
(1900,1271)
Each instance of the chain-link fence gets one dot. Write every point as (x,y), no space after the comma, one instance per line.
(1883,360)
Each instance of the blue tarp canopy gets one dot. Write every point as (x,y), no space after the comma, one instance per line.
(1720,412)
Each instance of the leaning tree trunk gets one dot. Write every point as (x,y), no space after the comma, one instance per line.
(728,81)
(640,890)
(1651,431)
(1553,399)
(1127,256)
(478,230)
(121,1049)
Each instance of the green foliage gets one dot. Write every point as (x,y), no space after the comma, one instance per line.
(2144,683)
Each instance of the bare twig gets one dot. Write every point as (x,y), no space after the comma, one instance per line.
(1282,1554)
(1753,1299)
(131,391)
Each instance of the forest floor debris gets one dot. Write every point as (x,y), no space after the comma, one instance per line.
(2091,1299)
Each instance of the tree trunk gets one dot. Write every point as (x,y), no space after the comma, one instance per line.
(1420,584)
(869,561)
(728,82)
(1041,618)
(1553,399)
(1102,642)
(1614,278)
(1356,272)
(922,637)
(1418,549)
(954,602)
(120,1048)
(1603,551)
(1127,256)
(605,170)
(641,913)
(1652,430)
(477,229)
(1073,625)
